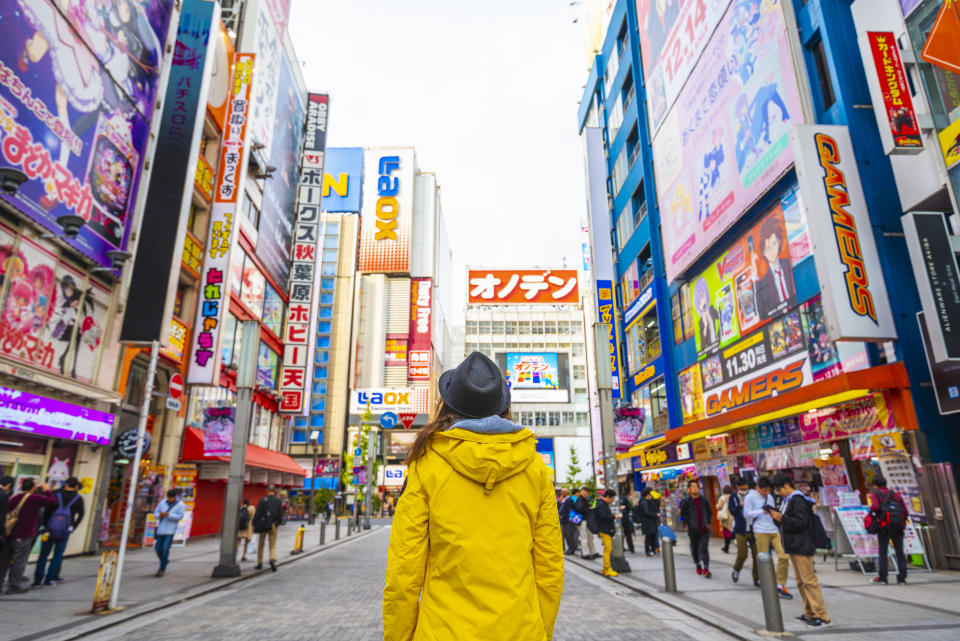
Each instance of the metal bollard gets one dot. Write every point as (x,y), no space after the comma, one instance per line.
(323,532)
(349,527)
(772,615)
(336,530)
(669,567)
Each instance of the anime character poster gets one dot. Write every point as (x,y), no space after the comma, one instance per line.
(673,34)
(218,430)
(78,80)
(50,317)
(725,141)
(824,357)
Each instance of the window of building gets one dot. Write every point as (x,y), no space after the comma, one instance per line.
(328,269)
(326,283)
(332,228)
(580,395)
(525,329)
(610,73)
(633,146)
(567,418)
(638,202)
(471,327)
(645,267)
(582,418)
(677,318)
(536,327)
(577,350)
(323,328)
(320,388)
(322,357)
(299,436)
(316,420)
(318,404)
(563,328)
(497,327)
(510,327)
(484,328)
(625,229)
(630,285)
(550,327)
(326,298)
(325,311)
(635,349)
(576,327)
(620,169)
(323,342)
(540,418)
(641,399)
(627,94)
(330,255)
(824,82)
(331,242)
(658,406)
(579,372)
(651,333)
(320,373)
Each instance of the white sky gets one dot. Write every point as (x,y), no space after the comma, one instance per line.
(486,91)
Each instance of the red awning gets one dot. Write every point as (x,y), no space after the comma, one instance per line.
(259,457)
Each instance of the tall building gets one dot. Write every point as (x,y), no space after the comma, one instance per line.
(539,343)
(745,207)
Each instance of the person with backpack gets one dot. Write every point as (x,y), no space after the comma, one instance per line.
(266,520)
(758,507)
(569,521)
(696,513)
(58,524)
(168,514)
(798,530)
(244,528)
(20,524)
(890,511)
(588,526)
(606,528)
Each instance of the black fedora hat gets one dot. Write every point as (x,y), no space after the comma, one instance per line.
(476,388)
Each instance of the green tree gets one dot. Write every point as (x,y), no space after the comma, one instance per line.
(573,470)
(321,498)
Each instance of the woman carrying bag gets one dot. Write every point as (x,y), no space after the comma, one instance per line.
(725,517)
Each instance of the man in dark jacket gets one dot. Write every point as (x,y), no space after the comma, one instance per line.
(6,487)
(696,513)
(266,520)
(743,538)
(649,521)
(568,527)
(606,526)
(626,521)
(69,497)
(795,519)
(587,549)
(891,510)
(21,537)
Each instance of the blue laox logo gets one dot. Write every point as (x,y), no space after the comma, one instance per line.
(383,398)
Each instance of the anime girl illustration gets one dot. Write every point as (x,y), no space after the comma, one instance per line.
(752,117)
(710,174)
(745,32)
(709,318)
(64,332)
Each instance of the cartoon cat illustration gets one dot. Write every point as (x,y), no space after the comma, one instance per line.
(59,470)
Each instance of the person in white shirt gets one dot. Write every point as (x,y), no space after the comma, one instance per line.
(756,510)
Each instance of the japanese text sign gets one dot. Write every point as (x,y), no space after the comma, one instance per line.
(897,119)
(301,327)
(607,315)
(23,412)
(213,288)
(523,286)
(419,341)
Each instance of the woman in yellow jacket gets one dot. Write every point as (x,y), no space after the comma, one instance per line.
(475,550)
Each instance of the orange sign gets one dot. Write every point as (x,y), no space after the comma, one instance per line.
(523,286)
(941,47)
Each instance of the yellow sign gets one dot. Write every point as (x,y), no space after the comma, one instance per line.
(176,341)
(950,143)
(105,578)
(192,254)
(86,485)
(652,457)
(890,444)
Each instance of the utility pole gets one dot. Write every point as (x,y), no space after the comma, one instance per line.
(311,516)
(246,379)
(601,333)
(134,473)
(371,477)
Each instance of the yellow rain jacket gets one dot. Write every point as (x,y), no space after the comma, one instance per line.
(475,550)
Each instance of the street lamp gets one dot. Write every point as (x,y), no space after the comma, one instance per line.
(371,459)
(314,441)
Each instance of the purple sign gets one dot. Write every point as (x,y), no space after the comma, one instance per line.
(25,412)
(77,90)
(218,430)
(908,5)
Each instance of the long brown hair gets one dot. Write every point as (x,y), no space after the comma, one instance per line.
(443,419)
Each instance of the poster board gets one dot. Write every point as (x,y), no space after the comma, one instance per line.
(852,538)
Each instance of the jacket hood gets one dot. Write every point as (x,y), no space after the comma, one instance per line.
(486,450)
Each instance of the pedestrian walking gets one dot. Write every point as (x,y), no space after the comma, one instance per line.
(626,522)
(796,519)
(725,518)
(587,527)
(889,511)
(244,528)
(168,513)
(58,523)
(6,549)
(696,513)
(569,521)
(650,521)
(757,510)
(475,548)
(266,519)
(21,521)
(741,534)
(606,528)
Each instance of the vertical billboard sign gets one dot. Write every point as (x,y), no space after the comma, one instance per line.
(855,301)
(421,320)
(342,173)
(725,141)
(938,279)
(893,106)
(387,211)
(607,315)
(75,111)
(213,288)
(672,36)
(169,196)
(300,328)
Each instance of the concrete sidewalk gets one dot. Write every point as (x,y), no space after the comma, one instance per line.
(63,611)
(927,608)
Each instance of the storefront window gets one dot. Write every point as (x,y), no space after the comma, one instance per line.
(230,330)
(641,399)
(658,406)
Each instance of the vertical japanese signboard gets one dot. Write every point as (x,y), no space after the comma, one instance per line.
(300,328)
(421,318)
(607,314)
(893,106)
(213,289)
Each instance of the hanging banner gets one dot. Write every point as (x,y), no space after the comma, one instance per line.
(419,338)
(607,315)
(218,430)
(301,326)
(213,287)
(628,427)
(854,294)
(892,105)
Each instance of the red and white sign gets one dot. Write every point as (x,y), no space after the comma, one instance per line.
(421,319)
(407,418)
(897,120)
(523,286)
(176,386)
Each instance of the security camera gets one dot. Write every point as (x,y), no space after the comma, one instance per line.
(11,179)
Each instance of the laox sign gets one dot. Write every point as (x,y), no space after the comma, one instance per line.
(387,206)
(380,400)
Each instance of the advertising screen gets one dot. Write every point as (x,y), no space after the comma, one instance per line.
(76,99)
(387,213)
(725,141)
(536,377)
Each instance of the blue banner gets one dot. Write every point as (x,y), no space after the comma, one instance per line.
(342,180)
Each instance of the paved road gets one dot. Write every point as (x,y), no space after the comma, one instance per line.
(335,594)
